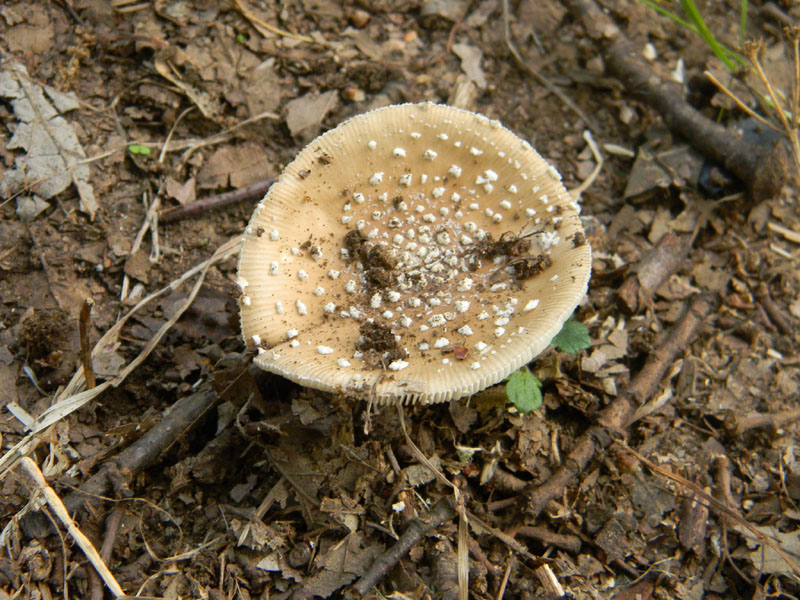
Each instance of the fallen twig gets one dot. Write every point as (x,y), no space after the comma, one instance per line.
(443,511)
(116,472)
(570,543)
(724,509)
(774,312)
(763,171)
(112,528)
(774,421)
(252,192)
(615,418)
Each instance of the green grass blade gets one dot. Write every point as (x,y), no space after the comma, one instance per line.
(690,8)
(731,59)
(669,14)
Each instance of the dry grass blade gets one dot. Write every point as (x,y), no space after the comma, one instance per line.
(774,105)
(598,158)
(71,399)
(261,25)
(83,542)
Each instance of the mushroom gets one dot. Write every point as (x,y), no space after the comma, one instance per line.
(415,253)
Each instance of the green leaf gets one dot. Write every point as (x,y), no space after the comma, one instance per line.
(139,149)
(573,337)
(523,389)
(241,38)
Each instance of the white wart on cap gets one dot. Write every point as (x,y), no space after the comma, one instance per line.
(415,253)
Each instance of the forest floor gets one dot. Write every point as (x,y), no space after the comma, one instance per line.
(195,476)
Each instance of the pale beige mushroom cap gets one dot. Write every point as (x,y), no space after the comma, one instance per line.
(428,184)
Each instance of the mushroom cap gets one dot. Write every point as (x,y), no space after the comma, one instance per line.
(415,253)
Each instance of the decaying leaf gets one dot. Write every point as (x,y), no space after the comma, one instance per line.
(53,154)
(471,63)
(340,565)
(237,166)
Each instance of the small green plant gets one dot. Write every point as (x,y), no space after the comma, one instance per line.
(524,390)
(694,22)
(573,337)
(139,150)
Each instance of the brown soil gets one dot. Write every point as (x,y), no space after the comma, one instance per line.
(379,342)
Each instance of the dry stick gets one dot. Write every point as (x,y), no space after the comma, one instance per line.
(86,349)
(443,511)
(61,512)
(506,574)
(614,419)
(112,528)
(476,551)
(251,192)
(774,312)
(773,421)
(723,477)
(763,171)
(144,452)
(771,10)
(570,543)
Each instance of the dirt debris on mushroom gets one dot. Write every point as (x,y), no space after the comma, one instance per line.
(417,252)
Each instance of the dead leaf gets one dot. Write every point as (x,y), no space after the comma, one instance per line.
(653,169)
(30,207)
(261,88)
(237,166)
(35,36)
(471,63)
(660,226)
(53,154)
(138,266)
(419,474)
(464,416)
(340,565)
(185,192)
(710,277)
(108,364)
(765,558)
(593,362)
(304,115)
